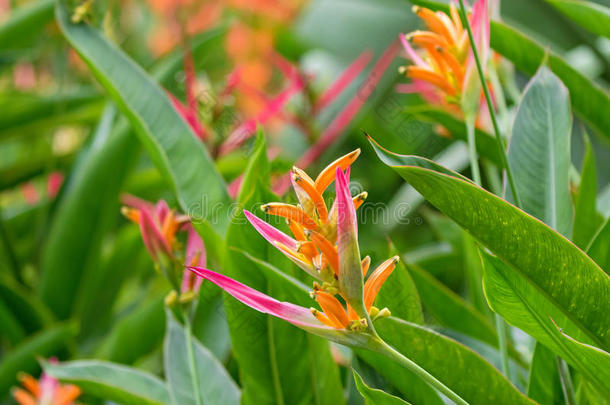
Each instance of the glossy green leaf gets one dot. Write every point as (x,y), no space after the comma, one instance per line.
(23,357)
(539,151)
(522,305)
(589,100)
(599,249)
(449,309)
(591,16)
(31,313)
(89,207)
(278,362)
(215,386)
(576,285)
(544,385)
(449,361)
(586,218)
(168,139)
(375,396)
(111,381)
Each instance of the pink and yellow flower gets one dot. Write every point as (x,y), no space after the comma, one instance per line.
(324,243)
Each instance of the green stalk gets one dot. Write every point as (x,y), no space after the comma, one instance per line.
(500,324)
(382,347)
(10,250)
(566,382)
(492,113)
(191,355)
(472,150)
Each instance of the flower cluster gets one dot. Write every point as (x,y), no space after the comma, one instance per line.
(444,69)
(324,243)
(46,391)
(159,226)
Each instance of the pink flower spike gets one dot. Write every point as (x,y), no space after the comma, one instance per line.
(296,315)
(195,256)
(54,183)
(411,52)
(152,237)
(479,22)
(271,234)
(137,203)
(190,116)
(347,77)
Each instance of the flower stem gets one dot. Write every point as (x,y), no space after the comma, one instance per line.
(492,113)
(191,357)
(388,351)
(472,150)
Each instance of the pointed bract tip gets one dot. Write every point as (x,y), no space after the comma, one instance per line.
(396,259)
(264,207)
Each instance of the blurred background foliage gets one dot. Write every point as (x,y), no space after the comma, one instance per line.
(76,281)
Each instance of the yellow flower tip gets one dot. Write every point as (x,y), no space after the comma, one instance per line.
(327,176)
(290,212)
(375,313)
(358,325)
(171,299)
(131,213)
(359,199)
(402,70)
(396,259)
(366,263)
(415,9)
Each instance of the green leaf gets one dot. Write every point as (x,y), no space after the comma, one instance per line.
(522,305)
(375,396)
(31,313)
(215,385)
(539,151)
(26,22)
(591,16)
(450,309)
(544,385)
(589,100)
(599,249)
(87,210)
(9,325)
(23,358)
(462,370)
(111,381)
(168,139)
(549,262)
(586,218)
(279,363)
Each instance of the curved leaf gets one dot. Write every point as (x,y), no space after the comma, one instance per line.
(539,151)
(375,396)
(168,139)
(215,385)
(111,381)
(549,262)
(25,22)
(449,361)
(599,248)
(544,384)
(586,218)
(591,16)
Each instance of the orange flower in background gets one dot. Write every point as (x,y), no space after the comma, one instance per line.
(46,391)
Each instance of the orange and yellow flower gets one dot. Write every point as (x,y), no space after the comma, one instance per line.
(47,391)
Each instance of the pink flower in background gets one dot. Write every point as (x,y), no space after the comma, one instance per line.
(46,391)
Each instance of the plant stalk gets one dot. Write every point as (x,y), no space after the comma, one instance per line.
(472,150)
(388,351)
(10,250)
(501,330)
(566,382)
(191,356)
(492,113)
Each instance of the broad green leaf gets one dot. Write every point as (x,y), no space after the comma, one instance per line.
(33,114)
(486,144)
(26,22)
(462,370)
(374,396)
(522,305)
(586,218)
(87,210)
(591,16)
(544,385)
(31,313)
(599,249)
(539,151)
(550,263)
(9,325)
(449,309)
(23,357)
(589,100)
(215,386)
(279,363)
(111,381)
(136,334)
(168,139)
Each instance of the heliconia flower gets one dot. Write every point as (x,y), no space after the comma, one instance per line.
(195,256)
(46,391)
(158,225)
(324,243)
(447,62)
